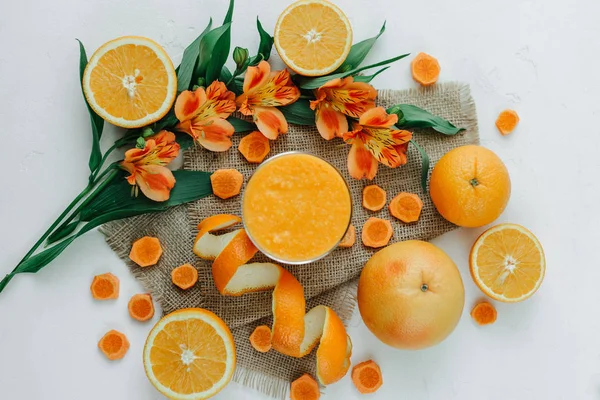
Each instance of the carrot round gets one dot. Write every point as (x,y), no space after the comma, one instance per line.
(105,287)
(146,251)
(406,207)
(114,345)
(425,69)
(260,339)
(377,232)
(484,313)
(254,147)
(305,388)
(185,276)
(226,183)
(141,307)
(373,198)
(349,238)
(507,121)
(366,376)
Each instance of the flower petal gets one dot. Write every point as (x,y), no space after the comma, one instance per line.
(378,117)
(361,162)
(256,76)
(163,138)
(330,123)
(218,91)
(155,181)
(186,126)
(215,135)
(402,150)
(270,121)
(188,104)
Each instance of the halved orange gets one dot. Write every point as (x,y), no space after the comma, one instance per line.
(190,355)
(130,82)
(313,37)
(508,263)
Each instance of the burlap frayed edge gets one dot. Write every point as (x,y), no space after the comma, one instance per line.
(467,103)
(278,388)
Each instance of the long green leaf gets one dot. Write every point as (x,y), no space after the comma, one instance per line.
(226,75)
(358,52)
(299,113)
(314,83)
(410,116)
(424,165)
(189,61)
(241,125)
(95,120)
(189,186)
(220,51)
(62,232)
(40,260)
(264,47)
(211,48)
(368,78)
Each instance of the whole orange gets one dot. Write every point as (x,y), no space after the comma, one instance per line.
(470,186)
(411,295)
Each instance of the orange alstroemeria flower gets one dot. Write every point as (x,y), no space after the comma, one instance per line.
(147,166)
(337,99)
(202,114)
(374,140)
(263,91)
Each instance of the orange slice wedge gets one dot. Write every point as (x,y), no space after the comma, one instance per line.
(190,355)
(130,82)
(313,37)
(508,263)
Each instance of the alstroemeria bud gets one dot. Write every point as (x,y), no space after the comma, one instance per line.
(140,143)
(201,82)
(240,56)
(147,131)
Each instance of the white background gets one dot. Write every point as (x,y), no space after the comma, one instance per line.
(541,57)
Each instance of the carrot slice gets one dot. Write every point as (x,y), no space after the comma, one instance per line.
(185,276)
(349,238)
(141,307)
(374,198)
(377,232)
(114,345)
(105,287)
(260,339)
(507,121)
(146,251)
(226,183)
(406,207)
(254,147)
(484,313)
(425,69)
(366,376)
(305,388)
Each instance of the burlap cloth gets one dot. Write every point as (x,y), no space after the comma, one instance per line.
(331,281)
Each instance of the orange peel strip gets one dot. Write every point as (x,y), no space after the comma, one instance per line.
(295,332)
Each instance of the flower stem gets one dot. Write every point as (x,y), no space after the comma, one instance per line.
(110,150)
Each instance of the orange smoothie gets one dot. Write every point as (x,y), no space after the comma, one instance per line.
(296,208)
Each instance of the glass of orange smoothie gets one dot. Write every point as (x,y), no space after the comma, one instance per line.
(296,208)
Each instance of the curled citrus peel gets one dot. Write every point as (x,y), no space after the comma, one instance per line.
(295,332)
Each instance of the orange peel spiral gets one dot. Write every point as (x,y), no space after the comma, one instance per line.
(295,332)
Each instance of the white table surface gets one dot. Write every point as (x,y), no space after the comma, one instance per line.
(540,57)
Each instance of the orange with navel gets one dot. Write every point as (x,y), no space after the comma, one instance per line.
(470,186)
(411,295)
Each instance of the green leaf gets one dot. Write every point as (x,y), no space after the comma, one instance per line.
(410,116)
(299,113)
(358,52)
(189,186)
(213,53)
(167,122)
(96,121)
(241,125)
(185,141)
(62,232)
(237,86)
(264,47)
(314,83)
(226,75)
(424,165)
(186,69)
(368,78)
(40,260)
